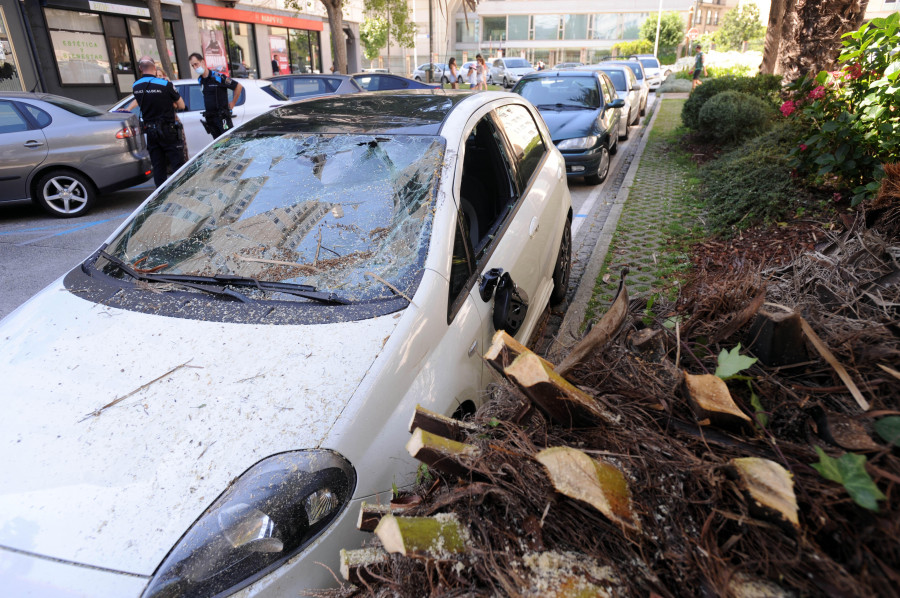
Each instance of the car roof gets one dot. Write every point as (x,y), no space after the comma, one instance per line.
(244,82)
(409,112)
(567,73)
(308,76)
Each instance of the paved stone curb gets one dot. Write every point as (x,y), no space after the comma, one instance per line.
(568,330)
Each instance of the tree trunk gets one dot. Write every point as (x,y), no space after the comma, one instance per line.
(336,25)
(811,34)
(159,32)
(773,36)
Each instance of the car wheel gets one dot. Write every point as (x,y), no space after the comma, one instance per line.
(490,80)
(644,108)
(623,134)
(64,193)
(637,117)
(602,168)
(417,79)
(615,148)
(444,80)
(505,82)
(563,266)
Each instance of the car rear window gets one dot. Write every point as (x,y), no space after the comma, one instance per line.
(73,106)
(348,213)
(649,63)
(517,63)
(274,92)
(636,67)
(618,79)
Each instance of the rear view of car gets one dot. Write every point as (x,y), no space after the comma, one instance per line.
(62,154)
(652,69)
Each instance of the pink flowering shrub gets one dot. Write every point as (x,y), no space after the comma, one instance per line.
(852,115)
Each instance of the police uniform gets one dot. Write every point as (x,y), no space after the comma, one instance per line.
(215,101)
(156,97)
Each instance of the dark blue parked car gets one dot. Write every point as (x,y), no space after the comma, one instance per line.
(582,112)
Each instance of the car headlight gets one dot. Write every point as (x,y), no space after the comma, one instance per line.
(578,143)
(271,512)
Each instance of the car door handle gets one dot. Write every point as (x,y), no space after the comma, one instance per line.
(31,143)
(473,348)
(533,227)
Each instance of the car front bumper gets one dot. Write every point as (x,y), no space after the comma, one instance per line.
(579,164)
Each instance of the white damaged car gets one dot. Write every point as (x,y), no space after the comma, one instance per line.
(200,407)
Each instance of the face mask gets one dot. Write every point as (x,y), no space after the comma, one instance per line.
(199,70)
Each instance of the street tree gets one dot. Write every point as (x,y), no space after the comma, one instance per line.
(373,33)
(805,35)
(159,33)
(740,25)
(334,9)
(671,30)
(398,20)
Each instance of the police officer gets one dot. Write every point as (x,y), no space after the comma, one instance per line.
(215,88)
(158,100)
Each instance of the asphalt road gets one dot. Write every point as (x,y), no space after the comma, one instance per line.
(36,249)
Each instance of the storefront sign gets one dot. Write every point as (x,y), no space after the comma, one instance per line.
(213,43)
(120,9)
(206,11)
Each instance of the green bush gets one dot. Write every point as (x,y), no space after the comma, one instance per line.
(753,183)
(764,87)
(732,116)
(640,46)
(850,116)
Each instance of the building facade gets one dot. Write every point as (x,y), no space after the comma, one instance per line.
(88,50)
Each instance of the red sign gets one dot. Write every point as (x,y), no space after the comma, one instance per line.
(692,33)
(206,11)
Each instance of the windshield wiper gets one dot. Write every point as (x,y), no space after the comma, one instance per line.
(149,277)
(199,282)
(551,106)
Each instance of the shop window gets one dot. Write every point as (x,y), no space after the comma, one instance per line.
(142,37)
(212,44)
(494,29)
(10,79)
(79,47)
(294,51)
(546,27)
(241,42)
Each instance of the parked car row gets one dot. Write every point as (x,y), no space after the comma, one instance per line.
(242,355)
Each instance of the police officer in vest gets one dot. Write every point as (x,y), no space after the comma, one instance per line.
(158,100)
(215,86)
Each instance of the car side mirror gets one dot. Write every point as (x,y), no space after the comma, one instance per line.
(617,103)
(510,302)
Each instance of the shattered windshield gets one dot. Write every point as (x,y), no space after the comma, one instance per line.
(342,213)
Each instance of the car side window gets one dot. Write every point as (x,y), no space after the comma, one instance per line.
(282,85)
(241,99)
(10,119)
(608,93)
(194,98)
(369,83)
(525,141)
(391,83)
(40,117)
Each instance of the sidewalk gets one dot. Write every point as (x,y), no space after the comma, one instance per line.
(649,229)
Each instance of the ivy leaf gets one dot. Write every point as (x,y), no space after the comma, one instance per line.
(850,471)
(732,362)
(889,429)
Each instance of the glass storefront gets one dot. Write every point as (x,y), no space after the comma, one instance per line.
(10,75)
(102,48)
(294,51)
(601,26)
(229,47)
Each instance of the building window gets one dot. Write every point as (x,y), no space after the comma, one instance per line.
(708,18)
(518,27)
(575,26)
(494,29)
(465,32)
(229,47)
(10,79)
(546,27)
(604,26)
(145,43)
(79,47)
(716,19)
(631,24)
(294,51)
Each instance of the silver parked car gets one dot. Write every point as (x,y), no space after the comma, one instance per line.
(629,89)
(61,153)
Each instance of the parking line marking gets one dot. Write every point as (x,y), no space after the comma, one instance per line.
(64,232)
(587,206)
(31,230)
(581,216)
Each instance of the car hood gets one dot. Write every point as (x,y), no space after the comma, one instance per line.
(120,428)
(569,123)
(521,70)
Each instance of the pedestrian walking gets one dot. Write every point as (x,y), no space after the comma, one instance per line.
(217,109)
(158,100)
(481,73)
(699,66)
(454,73)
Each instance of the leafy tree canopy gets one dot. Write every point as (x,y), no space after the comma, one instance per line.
(739,25)
(402,29)
(671,29)
(373,35)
